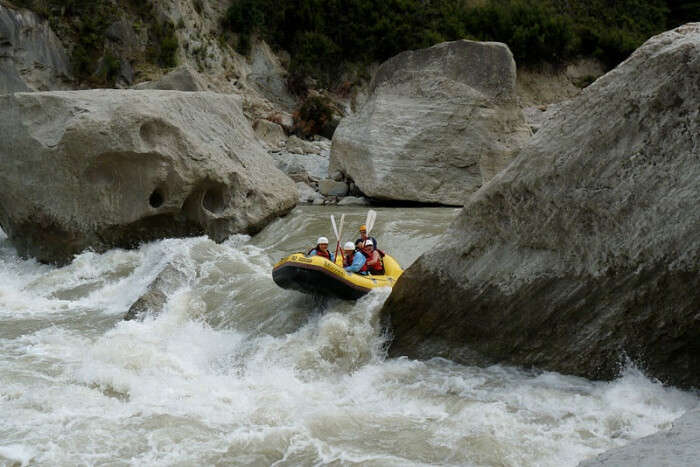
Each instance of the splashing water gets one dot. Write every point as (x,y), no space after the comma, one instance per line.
(238,371)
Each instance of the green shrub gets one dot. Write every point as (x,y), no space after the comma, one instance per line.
(315,117)
(168,50)
(323,36)
(91,22)
(163,46)
(534,32)
(245,16)
(109,71)
(315,54)
(198,6)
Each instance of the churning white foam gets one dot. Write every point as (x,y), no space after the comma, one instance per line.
(235,370)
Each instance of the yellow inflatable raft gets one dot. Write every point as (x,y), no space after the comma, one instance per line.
(318,276)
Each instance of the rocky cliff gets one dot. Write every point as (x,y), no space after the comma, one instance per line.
(439,122)
(31,56)
(111,168)
(585,251)
(116,44)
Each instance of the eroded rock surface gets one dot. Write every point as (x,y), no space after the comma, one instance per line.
(31,56)
(586,249)
(107,168)
(439,122)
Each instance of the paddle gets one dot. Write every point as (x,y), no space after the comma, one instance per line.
(371,217)
(338,232)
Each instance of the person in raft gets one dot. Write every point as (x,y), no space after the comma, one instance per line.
(374,263)
(353,261)
(321,249)
(363,238)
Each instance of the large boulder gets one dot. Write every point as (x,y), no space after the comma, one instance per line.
(585,251)
(31,56)
(439,122)
(105,168)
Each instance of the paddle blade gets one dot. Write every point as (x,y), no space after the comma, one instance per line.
(335,229)
(371,217)
(340,229)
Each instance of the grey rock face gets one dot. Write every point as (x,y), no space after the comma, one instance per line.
(439,122)
(31,56)
(269,76)
(677,447)
(586,249)
(105,168)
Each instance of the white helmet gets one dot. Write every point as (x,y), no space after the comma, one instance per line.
(322,240)
(369,242)
(349,246)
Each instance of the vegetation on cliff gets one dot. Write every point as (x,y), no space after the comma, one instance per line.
(83,25)
(322,35)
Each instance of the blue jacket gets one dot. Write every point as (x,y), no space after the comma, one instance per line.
(313,253)
(357,262)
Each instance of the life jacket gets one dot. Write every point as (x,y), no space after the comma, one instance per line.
(364,268)
(319,252)
(377,267)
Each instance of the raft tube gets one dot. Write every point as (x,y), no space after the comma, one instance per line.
(318,276)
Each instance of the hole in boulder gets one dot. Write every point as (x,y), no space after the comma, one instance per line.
(156,199)
(213,200)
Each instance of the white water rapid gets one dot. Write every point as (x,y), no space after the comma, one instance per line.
(236,371)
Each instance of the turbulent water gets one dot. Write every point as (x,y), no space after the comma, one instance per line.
(238,371)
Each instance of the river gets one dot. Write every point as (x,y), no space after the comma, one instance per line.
(238,371)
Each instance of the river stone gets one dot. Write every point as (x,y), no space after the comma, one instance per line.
(439,122)
(183,78)
(297,145)
(315,167)
(270,133)
(308,194)
(31,56)
(353,201)
(585,251)
(329,187)
(112,168)
(679,446)
(156,296)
